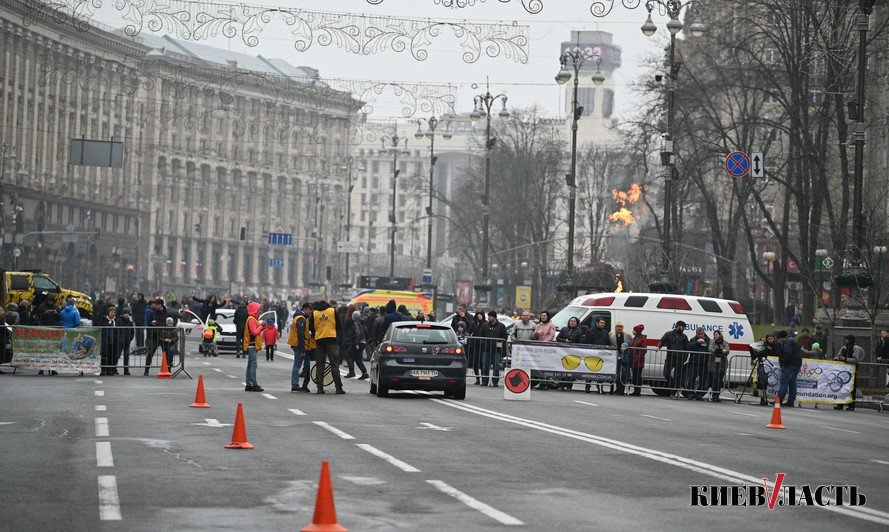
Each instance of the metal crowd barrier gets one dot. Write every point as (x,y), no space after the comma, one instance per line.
(120,352)
(872,376)
(486,359)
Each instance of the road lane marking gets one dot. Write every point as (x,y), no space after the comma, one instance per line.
(243,384)
(6,422)
(655,417)
(883,462)
(205,363)
(101,408)
(101,427)
(269,396)
(434,427)
(748,414)
(334,430)
(109,502)
(285,355)
(364,481)
(721,473)
(404,466)
(210,422)
(103,454)
(97,381)
(475,504)
(217,369)
(232,377)
(585,403)
(100,393)
(296,411)
(841,430)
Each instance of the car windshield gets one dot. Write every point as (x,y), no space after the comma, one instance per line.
(412,335)
(225,320)
(561,318)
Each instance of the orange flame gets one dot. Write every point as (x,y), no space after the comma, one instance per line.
(623,199)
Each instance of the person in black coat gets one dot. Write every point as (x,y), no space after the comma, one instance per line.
(240,319)
(495,336)
(696,368)
(208,307)
(110,341)
(473,350)
(125,336)
(677,352)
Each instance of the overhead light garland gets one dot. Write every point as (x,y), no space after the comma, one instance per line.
(531,6)
(358,34)
(601,8)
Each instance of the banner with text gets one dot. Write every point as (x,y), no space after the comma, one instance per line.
(562,361)
(818,381)
(56,349)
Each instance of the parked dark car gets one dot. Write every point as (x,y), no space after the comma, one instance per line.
(419,356)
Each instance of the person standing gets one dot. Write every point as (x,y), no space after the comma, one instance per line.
(620,341)
(696,382)
(369,321)
(70,316)
(791,360)
(821,336)
(208,307)
(637,349)
(252,344)
(325,328)
(460,316)
(881,354)
(717,364)
(475,345)
(598,335)
(356,346)
(110,341)
(348,339)
(770,348)
(523,329)
(270,337)
(493,331)
(156,318)
(140,306)
(303,345)
(677,351)
(240,319)
(125,335)
(850,354)
(805,339)
(545,331)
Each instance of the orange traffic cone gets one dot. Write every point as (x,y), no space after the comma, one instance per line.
(324,519)
(776,416)
(200,400)
(164,373)
(239,432)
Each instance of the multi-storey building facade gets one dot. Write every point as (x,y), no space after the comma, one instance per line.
(218,146)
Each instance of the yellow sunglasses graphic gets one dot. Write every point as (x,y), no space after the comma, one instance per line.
(593,363)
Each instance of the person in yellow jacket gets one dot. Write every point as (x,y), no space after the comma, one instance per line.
(303,344)
(252,342)
(325,328)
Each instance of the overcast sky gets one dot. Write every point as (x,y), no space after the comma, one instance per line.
(525,84)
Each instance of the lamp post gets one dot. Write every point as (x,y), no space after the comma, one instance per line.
(575,59)
(5,154)
(668,155)
(769,257)
(394,142)
(866,7)
(432,124)
(482,107)
(349,167)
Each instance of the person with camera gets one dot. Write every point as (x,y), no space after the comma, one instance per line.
(717,364)
(759,360)
(850,354)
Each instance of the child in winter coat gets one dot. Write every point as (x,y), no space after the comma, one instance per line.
(270,337)
(462,336)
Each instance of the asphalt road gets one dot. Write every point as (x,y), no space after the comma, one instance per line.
(127,453)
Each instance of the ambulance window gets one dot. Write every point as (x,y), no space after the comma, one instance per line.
(709,305)
(635,301)
(674,303)
(590,321)
(19,282)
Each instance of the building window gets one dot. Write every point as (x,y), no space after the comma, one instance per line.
(607,103)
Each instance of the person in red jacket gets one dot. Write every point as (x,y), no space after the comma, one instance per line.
(251,344)
(270,337)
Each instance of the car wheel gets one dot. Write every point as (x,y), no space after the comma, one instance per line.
(382,390)
(373,388)
(458,393)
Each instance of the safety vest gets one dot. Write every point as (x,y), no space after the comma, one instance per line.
(257,340)
(293,341)
(325,323)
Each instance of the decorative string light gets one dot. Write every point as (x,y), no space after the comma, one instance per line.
(531,6)
(355,33)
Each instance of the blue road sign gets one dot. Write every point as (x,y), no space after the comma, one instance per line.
(280,239)
(276,263)
(737,164)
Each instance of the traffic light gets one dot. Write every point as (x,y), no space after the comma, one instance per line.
(243,235)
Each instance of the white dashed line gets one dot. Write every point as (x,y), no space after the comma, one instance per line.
(217,369)
(655,417)
(103,454)
(585,403)
(100,393)
(841,430)
(748,414)
(109,502)
(882,462)
(269,396)
(101,408)
(296,412)
(101,427)
(205,363)
(97,381)
(407,468)
(232,377)
(475,504)
(334,430)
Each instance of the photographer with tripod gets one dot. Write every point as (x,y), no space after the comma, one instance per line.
(758,359)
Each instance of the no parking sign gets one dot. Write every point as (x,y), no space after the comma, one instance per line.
(737,164)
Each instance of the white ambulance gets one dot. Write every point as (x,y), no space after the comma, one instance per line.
(659,314)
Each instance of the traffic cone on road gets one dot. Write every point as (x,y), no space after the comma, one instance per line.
(324,519)
(239,432)
(200,400)
(164,373)
(776,416)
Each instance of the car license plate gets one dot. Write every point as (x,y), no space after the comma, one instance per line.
(427,373)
